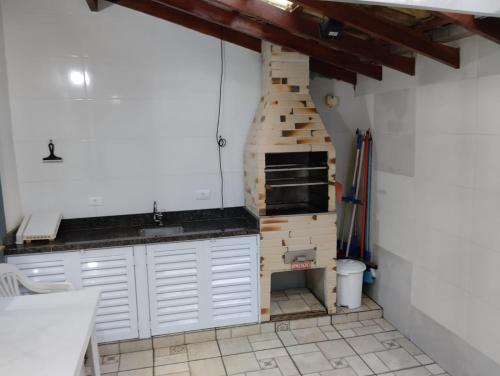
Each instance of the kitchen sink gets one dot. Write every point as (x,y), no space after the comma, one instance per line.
(158,232)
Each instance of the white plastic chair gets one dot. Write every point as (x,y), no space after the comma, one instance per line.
(11,278)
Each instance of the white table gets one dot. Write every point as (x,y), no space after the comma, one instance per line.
(48,334)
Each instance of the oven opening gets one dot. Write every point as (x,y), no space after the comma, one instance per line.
(297,294)
(296,183)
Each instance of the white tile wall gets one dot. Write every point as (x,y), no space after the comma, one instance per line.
(443,218)
(139,123)
(8,172)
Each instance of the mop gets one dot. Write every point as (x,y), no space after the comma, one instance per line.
(350,197)
(369,274)
(355,198)
(364,200)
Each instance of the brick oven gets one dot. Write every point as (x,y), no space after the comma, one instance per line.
(290,187)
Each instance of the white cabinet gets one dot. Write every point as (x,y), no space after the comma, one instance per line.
(190,285)
(177,286)
(203,284)
(111,269)
(234,281)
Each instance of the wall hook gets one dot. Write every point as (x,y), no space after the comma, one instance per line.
(52,157)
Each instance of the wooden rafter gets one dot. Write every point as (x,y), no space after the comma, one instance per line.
(331,71)
(361,19)
(308,28)
(488,27)
(208,28)
(275,35)
(334,72)
(93,5)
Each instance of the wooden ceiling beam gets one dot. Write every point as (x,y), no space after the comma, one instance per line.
(361,19)
(308,28)
(194,23)
(93,5)
(488,27)
(331,71)
(275,35)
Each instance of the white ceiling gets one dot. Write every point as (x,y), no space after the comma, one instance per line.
(478,7)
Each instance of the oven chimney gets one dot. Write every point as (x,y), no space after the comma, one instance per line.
(290,186)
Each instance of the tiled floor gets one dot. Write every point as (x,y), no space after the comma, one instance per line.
(360,348)
(293,301)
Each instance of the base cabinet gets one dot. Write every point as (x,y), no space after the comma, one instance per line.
(190,285)
(110,269)
(203,284)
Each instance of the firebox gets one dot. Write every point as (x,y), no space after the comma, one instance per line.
(290,187)
(296,183)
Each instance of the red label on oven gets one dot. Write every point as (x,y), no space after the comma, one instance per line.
(301,265)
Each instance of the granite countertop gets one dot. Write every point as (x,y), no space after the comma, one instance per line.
(123,230)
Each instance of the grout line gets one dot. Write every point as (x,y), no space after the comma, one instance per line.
(220,352)
(286,349)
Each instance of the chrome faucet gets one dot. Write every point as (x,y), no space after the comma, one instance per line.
(157,216)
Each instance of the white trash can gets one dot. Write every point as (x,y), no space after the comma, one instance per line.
(349,283)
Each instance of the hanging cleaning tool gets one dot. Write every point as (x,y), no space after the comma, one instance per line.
(355,197)
(369,274)
(364,195)
(350,195)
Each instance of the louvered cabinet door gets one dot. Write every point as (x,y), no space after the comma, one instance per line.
(112,270)
(177,293)
(46,267)
(234,280)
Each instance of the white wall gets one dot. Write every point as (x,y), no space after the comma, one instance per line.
(141,128)
(437,154)
(8,173)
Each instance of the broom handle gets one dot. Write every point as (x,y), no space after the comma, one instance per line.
(356,160)
(354,205)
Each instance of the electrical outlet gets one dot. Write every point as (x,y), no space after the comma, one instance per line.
(203,194)
(96,201)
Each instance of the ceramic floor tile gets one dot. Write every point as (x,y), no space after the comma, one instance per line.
(170,355)
(330,332)
(203,350)
(365,344)
(348,325)
(212,367)
(358,366)
(348,333)
(388,335)
(177,369)
(293,305)
(287,338)
(338,348)
(137,372)
(303,349)
(375,363)
(368,330)
(384,324)
(408,346)
(241,363)
(109,363)
(434,369)
(308,335)
(135,360)
(271,353)
(265,372)
(265,341)
(286,366)
(420,371)
(234,345)
(423,359)
(312,362)
(340,372)
(397,359)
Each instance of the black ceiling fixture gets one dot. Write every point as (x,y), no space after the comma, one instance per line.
(330,29)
